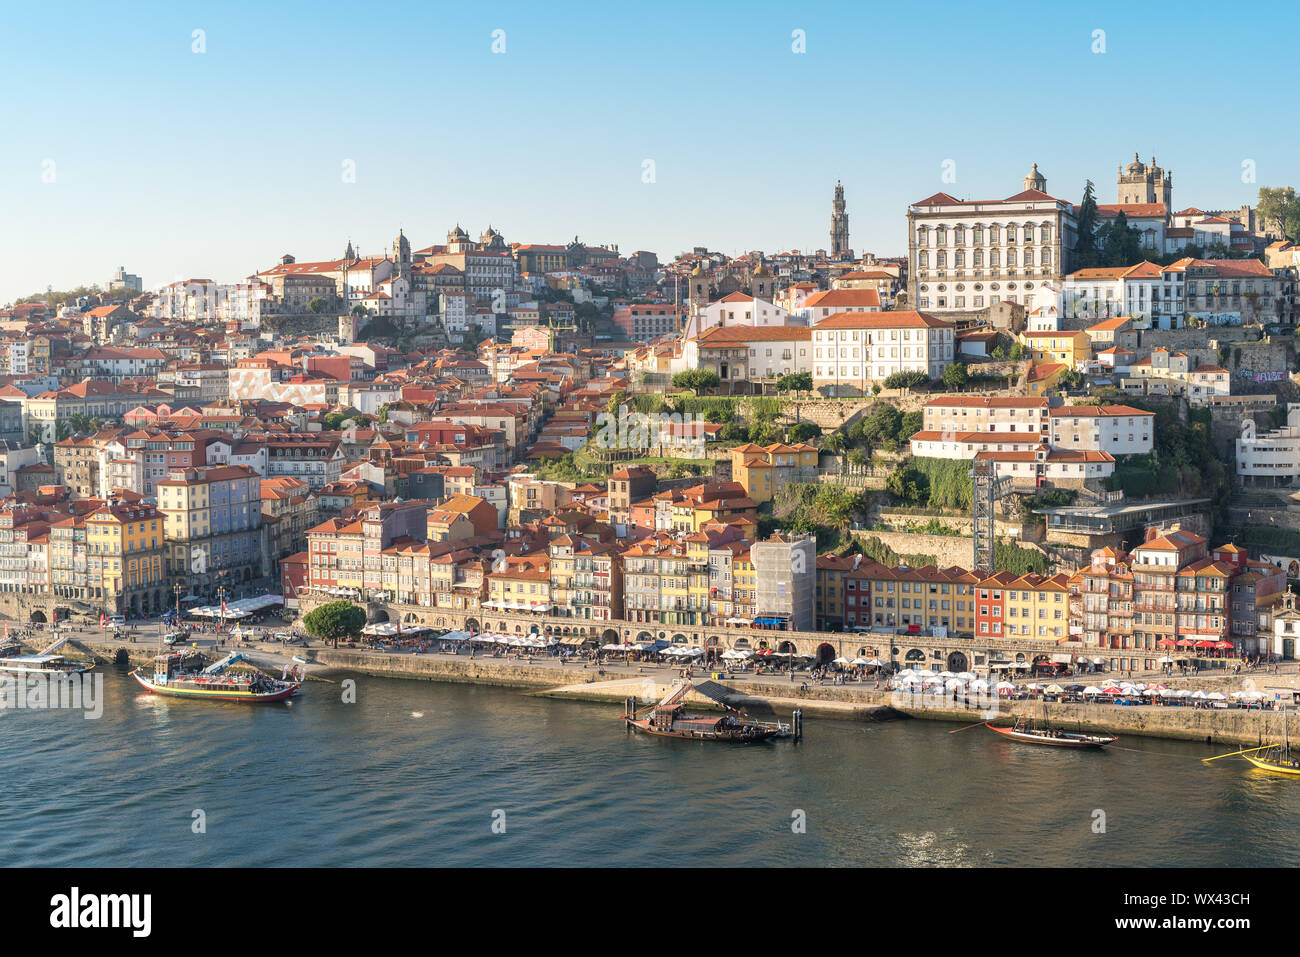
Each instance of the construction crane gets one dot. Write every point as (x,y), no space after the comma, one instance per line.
(988,489)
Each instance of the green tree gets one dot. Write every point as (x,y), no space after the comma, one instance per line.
(337,619)
(1121,243)
(796,382)
(955,376)
(908,485)
(1280,205)
(316,305)
(803,431)
(383,413)
(1085,242)
(697,380)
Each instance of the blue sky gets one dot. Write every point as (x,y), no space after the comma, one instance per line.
(177,164)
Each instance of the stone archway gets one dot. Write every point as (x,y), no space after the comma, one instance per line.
(645,636)
(38,616)
(958,662)
(914,655)
(610,637)
(825,654)
(471,624)
(786,648)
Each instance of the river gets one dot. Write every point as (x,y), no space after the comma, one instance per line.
(418,773)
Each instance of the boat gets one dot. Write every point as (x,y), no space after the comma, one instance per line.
(1027,731)
(173,675)
(1276,758)
(44,664)
(669,718)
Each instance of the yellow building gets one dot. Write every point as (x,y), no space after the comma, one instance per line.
(1061,346)
(1037,607)
(523,585)
(1043,376)
(764,470)
(829,603)
(124,550)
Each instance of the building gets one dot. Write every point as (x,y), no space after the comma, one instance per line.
(214,532)
(762,471)
(125,572)
(1117,429)
(852,351)
(966,255)
(786,575)
(839,225)
(750,353)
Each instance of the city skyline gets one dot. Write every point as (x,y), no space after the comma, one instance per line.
(207,163)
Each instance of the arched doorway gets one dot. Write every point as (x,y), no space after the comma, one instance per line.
(914,655)
(786,648)
(471,624)
(957,661)
(610,637)
(645,636)
(825,654)
(38,616)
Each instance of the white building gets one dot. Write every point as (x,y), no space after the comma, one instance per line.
(980,413)
(745,352)
(966,255)
(1271,458)
(852,350)
(1117,429)
(737,309)
(820,305)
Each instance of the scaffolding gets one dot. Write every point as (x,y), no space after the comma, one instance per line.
(987,490)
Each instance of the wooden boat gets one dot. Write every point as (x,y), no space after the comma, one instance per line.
(1025,730)
(1277,759)
(669,719)
(171,677)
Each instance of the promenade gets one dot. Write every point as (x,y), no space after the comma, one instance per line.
(863,700)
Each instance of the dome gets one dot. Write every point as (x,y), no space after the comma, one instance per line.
(698,270)
(761,272)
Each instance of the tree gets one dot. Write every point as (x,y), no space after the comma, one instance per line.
(337,619)
(908,485)
(906,380)
(316,305)
(797,382)
(1085,242)
(1121,244)
(955,376)
(383,413)
(802,432)
(1279,205)
(697,380)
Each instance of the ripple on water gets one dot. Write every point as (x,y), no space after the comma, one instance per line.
(417,774)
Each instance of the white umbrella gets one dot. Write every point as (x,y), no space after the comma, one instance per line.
(1216,696)
(979,684)
(1006,686)
(1092,689)
(841,661)
(954,682)
(966,675)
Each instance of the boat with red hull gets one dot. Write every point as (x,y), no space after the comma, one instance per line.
(173,678)
(1024,730)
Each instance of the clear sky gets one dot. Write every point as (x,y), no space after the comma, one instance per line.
(178,164)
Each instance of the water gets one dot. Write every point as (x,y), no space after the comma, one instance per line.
(413,772)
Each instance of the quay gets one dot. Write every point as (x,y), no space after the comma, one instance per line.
(759,695)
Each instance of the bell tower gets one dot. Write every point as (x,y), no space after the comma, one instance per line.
(839,223)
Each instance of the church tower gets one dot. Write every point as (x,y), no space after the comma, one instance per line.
(698,291)
(1140,183)
(839,223)
(1035,180)
(349,254)
(402,254)
(760,284)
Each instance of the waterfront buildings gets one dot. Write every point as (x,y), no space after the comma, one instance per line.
(853,351)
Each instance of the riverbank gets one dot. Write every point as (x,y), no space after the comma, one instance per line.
(584,681)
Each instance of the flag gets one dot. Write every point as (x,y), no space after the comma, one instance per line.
(101,620)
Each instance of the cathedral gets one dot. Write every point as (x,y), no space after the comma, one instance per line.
(1139,183)
(839,224)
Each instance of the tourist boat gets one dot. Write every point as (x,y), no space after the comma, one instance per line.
(214,683)
(1025,730)
(44,664)
(669,719)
